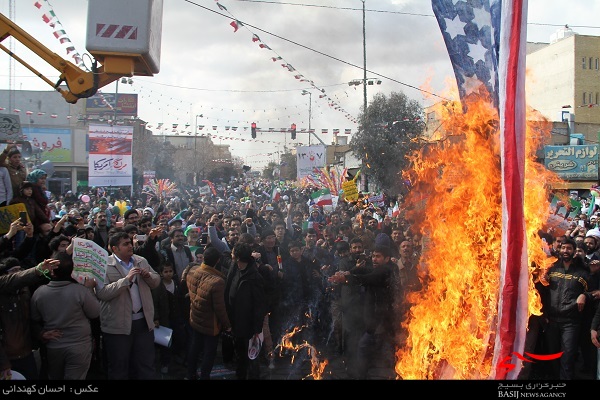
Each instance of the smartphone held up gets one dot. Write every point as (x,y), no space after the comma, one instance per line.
(23,217)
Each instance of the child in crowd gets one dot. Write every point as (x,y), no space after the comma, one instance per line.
(168,312)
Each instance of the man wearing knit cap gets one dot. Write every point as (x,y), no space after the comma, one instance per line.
(382,239)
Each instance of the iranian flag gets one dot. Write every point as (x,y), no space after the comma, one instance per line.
(395,210)
(321,198)
(275,194)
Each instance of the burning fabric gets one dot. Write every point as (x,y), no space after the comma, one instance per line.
(457,205)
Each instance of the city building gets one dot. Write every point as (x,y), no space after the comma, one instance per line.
(60,131)
(563,86)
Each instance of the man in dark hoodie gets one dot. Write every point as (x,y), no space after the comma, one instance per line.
(246,308)
(378,307)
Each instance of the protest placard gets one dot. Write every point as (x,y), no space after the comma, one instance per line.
(90,261)
(350,190)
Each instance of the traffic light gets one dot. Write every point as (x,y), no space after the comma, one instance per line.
(293,131)
(253,128)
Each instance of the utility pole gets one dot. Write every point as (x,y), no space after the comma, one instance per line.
(363,177)
(116,102)
(196,180)
(310,132)
(364,59)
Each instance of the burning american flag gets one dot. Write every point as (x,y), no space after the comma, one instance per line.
(486,44)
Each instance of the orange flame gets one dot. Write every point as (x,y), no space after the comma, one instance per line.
(456,204)
(317,366)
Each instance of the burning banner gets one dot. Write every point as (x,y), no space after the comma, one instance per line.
(469,321)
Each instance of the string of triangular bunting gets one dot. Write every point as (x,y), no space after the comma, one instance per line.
(59,32)
(236,24)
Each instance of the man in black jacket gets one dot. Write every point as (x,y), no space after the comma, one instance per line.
(246,307)
(178,253)
(566,287)
(101,230)
(378,307)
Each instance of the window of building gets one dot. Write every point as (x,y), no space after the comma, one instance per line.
(597,64)
(590,62)
(583,62)
(590,98)
(597,98)
(584,99)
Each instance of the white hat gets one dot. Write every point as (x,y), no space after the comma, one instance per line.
(593,232)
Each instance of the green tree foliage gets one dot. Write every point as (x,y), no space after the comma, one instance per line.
(163,161)
(224,172)
(289,168)
(388,132)
(267,172)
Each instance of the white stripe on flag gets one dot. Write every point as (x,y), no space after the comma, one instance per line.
(514,274)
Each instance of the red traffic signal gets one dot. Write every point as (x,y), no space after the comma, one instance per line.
(293,131)
(253,129)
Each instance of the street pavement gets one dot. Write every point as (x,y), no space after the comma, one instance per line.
(292,367)
(297,367)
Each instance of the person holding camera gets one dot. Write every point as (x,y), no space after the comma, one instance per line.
(144,243)
(37,216)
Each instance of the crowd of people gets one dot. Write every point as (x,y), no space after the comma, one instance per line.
(219,270)
(570,294)
(239,268)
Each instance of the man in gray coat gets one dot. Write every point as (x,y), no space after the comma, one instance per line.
(127,312)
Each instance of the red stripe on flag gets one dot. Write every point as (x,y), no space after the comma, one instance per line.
(512,307)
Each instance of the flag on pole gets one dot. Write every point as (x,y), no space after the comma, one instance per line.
(486,42)
(471,33)
(395,210)
(275,195)
(279,259)
(514,271)
(321,198)
(595,192)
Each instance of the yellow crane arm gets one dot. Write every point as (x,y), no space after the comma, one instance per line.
(80,83)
